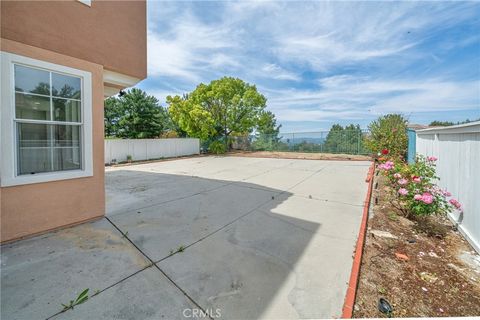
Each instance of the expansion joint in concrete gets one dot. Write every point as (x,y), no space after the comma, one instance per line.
(157,267)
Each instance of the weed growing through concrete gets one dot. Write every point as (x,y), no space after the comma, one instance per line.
(179,249)
(82,297)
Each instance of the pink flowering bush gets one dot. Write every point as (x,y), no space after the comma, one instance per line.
(415,190)
(386,166)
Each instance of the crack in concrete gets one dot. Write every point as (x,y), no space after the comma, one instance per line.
(153,263)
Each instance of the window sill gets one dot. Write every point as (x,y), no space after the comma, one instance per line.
(44,177)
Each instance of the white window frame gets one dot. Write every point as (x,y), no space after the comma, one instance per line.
(8,139)
(86,2)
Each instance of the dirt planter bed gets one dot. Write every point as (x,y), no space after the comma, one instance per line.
(300,155)
(423,268)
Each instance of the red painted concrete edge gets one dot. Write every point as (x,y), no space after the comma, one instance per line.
(347,310)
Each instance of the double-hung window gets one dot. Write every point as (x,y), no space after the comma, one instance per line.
(46,121)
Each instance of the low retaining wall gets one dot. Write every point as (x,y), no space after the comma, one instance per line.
(117,150)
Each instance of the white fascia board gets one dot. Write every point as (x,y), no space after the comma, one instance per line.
(471,127)
(110,91)
(119,79)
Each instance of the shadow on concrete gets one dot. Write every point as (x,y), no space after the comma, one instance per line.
(220,242)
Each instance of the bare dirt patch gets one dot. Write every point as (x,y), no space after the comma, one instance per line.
(423,268)
(299,155)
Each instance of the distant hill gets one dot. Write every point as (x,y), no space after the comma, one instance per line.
(295,140)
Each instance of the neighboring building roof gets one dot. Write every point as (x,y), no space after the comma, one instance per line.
(416,126)
(470,127)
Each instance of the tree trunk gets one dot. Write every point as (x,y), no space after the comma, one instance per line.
(226,138)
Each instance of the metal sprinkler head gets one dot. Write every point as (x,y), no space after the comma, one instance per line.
(385,307)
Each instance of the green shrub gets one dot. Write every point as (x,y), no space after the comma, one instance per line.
(388,133)
(217,147)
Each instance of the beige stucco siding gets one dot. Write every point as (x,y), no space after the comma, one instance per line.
(33,208)
(111,34)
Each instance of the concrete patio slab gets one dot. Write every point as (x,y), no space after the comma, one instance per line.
(263,238)
(266,266)
(144,193)
(280,178)
(41,273)
(146,295)
(336,219)
(285,253)
(334,182)
(160,229)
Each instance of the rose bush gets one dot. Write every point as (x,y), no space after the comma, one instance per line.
(388,136)
(414,187)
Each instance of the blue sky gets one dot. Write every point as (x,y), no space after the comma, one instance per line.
(320,63)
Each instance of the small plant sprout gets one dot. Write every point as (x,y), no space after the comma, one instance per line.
(179,249)
(129,157)
(82,297)
(392,216)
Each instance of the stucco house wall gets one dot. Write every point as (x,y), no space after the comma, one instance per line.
(109,33)
(107,40)
(33,208)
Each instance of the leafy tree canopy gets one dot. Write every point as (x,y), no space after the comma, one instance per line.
(441,123)
(135,115)
(220,108)
(449,123)
(388,132)
(267,132)
(344,140)
(267,124)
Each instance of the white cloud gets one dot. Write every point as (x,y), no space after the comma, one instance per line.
(318,49)
(188,49)
(323,35)
(352,98)
(345,33)
(274,71)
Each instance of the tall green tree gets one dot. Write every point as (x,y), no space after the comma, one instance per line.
(218,109)
(334,138)
(135,115)
(111,113)
(345,140)
(388,132)
(267,124)
(267,132)
(354,139)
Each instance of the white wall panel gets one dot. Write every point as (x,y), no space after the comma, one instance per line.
(458,151)
(145,149)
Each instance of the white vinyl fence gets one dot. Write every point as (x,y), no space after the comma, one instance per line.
(458,166)
(117,150)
